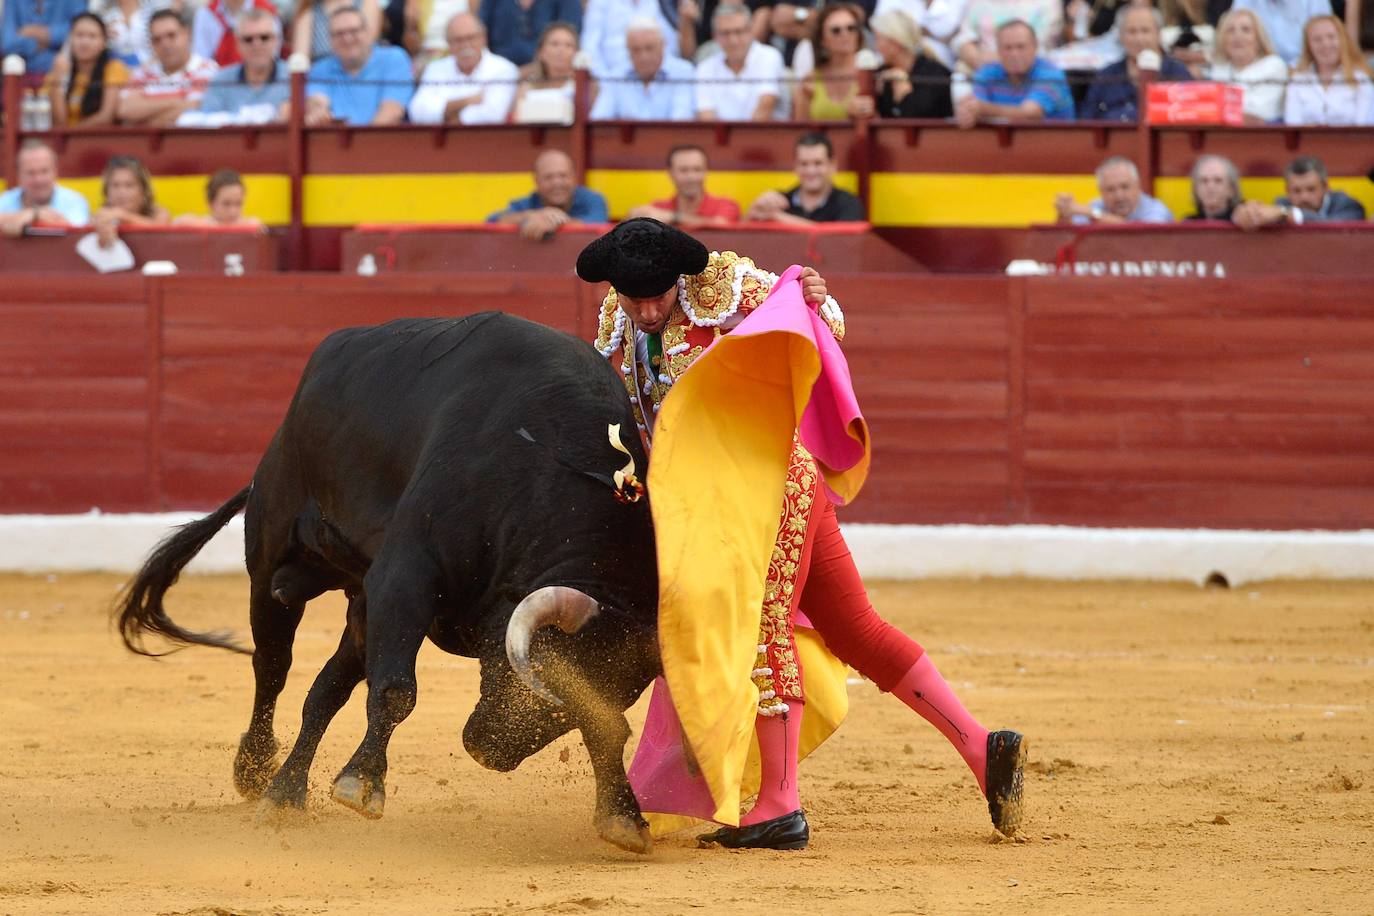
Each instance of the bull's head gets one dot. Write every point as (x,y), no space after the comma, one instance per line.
(584,678)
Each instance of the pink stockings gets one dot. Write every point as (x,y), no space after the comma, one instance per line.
(778,756)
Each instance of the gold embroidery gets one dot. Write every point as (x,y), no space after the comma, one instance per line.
(711,293)
(776,620)
(607,321)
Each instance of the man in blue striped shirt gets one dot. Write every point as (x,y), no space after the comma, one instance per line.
(1021,87)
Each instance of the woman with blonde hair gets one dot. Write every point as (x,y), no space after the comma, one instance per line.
(547,86)
(1331,84)
(1244,56)
(912,84)
(832,91)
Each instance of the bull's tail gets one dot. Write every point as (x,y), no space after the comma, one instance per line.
(138,608)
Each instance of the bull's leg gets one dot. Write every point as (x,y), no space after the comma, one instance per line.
(327,696)
(274,630)
(618,819)
(401,607)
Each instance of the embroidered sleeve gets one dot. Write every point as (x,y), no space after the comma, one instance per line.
(834,318)
(611,325)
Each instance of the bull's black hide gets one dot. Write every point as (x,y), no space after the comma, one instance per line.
(440,471)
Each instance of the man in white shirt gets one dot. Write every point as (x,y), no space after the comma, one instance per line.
(742,81)
(656,88)
(1121,200)
(603,33)
(173,82)
(470,86)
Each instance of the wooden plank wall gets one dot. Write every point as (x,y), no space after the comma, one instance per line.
(1175,403)
(1234,404)
(74,395)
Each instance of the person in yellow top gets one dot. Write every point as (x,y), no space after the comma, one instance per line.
(832,91)
(84,83)
(670,301)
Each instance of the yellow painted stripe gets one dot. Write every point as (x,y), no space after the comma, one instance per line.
(899,199)
(459,197)
(268,196)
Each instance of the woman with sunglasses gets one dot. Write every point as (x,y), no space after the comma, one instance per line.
(84,83)
(832,92)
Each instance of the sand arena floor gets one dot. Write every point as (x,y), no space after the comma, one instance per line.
(1191,751)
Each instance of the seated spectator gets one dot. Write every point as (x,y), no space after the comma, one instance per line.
(912,84)
(694,30)
(513,24)
(469,86)
(173,83)
(425,28)
(938,20)
(1331,82)
(36,30)
(832,91)
(815,199)
(126,24)
(38,198)
(1122,201)
(256,91)
(310,25)
(976,43)
(743,80)
(1309,200)
(548,87)
(1284,20)
(127,189)
(793,23)
(360,83)
(603,32)
(1020,87)
(1216,188)
(653,88)
(83,84)
(225,194)
(557,200)
(1190,31)
(213,30)
(690,207)
(1244,55)
(1115,91)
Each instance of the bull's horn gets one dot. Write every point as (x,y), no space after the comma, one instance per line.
(553,605)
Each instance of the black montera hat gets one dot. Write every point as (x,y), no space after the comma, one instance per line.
(642,258)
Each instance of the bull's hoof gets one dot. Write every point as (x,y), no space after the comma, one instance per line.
(285,792)
(629,833)
(271,814)
(254,765)
(359,794)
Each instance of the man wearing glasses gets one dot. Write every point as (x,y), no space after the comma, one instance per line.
(172,83)
(214,30)
(359,84)
(257,91)
(469,86)
(741,81)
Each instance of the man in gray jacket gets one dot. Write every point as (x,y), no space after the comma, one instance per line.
(1309,200)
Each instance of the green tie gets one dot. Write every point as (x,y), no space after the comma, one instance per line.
(656,365)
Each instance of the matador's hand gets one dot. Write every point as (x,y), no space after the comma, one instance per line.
(813,287)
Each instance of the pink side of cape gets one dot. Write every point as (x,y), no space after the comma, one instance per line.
(659,774)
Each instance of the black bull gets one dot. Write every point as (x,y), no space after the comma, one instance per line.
(455,479)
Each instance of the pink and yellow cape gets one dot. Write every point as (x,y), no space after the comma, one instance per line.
(722,442)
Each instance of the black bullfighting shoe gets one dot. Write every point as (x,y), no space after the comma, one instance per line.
(787,832)
(1006,761)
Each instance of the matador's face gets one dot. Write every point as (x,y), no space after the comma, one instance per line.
(650,315)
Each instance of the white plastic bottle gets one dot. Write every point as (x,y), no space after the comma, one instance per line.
(42,111)
(959,89)
(27,112)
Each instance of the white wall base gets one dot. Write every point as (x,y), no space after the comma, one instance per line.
(118,543)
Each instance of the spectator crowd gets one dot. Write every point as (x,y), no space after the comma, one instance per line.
(469,62)
(207,64)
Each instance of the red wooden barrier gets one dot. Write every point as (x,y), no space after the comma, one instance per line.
(1232,403)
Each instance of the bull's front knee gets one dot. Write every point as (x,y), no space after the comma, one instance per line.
(396,700)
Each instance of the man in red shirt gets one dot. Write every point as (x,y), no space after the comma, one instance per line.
(691,207)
